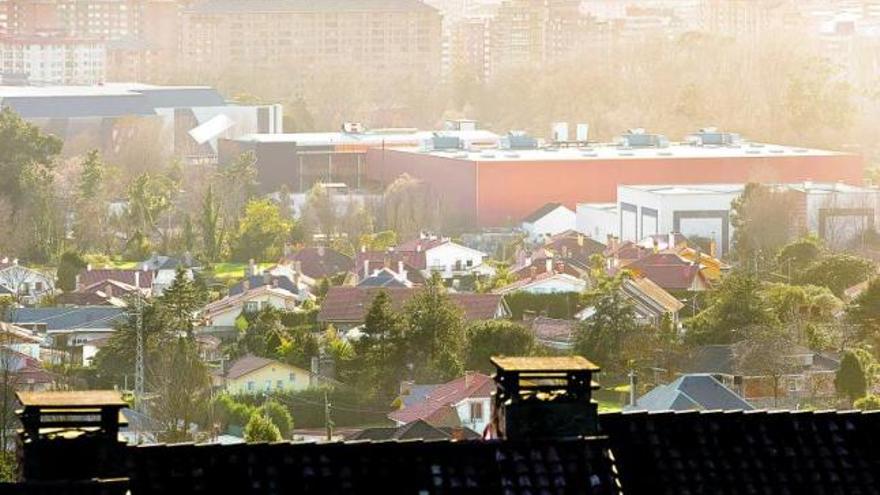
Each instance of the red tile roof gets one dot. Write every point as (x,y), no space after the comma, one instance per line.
(668,270)
(378,259)
(438,402)
(553,330)
(350,304)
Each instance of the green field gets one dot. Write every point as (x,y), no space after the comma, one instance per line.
(226,271)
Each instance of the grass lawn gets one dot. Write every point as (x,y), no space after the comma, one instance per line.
(226,271)
(123,265)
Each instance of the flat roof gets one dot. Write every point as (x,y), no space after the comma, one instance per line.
(375,138)
(807,187)
(610,151)
(611,207)
(106,89)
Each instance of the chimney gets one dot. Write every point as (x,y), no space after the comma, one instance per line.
(363,248)
(251,268)
(405,387)
(533,272)
(671,241)
(315,369)
(565,251)
(468,378)
(108,289)
(137,280)
(89,267)
(656,246)
(581,240)
(321,251)
(419,247)
(275,281)
(267,278)
(712,248)
(400,271)
(77,283)
(246,284)
(366,268)
(522,407)
(548,265)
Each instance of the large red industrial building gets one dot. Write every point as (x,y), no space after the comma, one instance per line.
(499,187)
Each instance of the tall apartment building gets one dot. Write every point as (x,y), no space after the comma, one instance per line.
(53,59)
(380,36)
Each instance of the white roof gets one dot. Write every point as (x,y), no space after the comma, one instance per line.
(107,89)
(373,138)
(610,151)
(695,189)
(609,207)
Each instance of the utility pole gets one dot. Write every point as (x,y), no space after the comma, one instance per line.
(327,422)
(139,355)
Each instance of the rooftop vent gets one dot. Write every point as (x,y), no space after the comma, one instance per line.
(638,138)
(711,136)
(353,127)
(518,140)
(440,142)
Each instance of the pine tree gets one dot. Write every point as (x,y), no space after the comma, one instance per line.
(435,335)
(850,379)
(261,429)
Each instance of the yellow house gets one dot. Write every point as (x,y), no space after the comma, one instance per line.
(252,374)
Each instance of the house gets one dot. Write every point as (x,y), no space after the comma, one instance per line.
(465,401)
(345,307)
(24,372)
(547,221)
(571,244)
(91,279)
(20,340)
(252,374)
(320,262)
(25,283)
(70,327)
(393,263)
(221,315)
(546,283)
(812,376)
(430,254)
(650,302)
(416,430)
(164,270)
(386,277)
(555,333)
(670,271)
(698,391)
(278,277)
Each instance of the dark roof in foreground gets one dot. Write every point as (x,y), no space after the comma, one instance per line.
(739,452)
(257,6)
(576,466)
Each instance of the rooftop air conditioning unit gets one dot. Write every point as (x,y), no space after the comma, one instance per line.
(353,127)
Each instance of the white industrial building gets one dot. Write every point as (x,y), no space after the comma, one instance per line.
(836,212)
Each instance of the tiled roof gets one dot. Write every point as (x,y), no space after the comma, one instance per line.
(263,280)
(350,304)
(668,270)
(554,332)
(239,299)
(644,287)
(745,452)
(541,212)
(420,245)
(691,392)
(383,278)
(542,277)
(417,430)
(570,466)
(470,385)
(720,359)
(318,263)
(412,260)
(572,244)
(413,274)
(95,275)
(247,364)
(86,317)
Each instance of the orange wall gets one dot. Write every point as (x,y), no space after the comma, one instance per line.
(498,193)
(512,190)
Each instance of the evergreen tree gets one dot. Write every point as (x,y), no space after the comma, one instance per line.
(180,302)
(211,226)
(69,266)
(435,335)
(279,415)
(850,379)
(379,352)
(261,429)
(496,338)
(602,337)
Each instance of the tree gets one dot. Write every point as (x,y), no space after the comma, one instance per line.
(319,213)
(379,241)
(380,352)
(26,153)
(261,233)
(736,304)
(765,351)
(211,226)
(149,197)
(601,338)
(182,389)
(69,266)
(761,219)
(410,207)
(90,220)
(279,416)
(496,338)
(261,429)
(869,402)
(238,181)
(838,272)
(864,311)
(850,379)
(797,255)
(180,302)
(435,334)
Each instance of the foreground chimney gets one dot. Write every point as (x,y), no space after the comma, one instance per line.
(544,397)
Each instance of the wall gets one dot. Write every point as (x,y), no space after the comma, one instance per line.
(227,318)
(597,222)
(272,373)
(446,256)
(840,217)
(558,220)
(463,409)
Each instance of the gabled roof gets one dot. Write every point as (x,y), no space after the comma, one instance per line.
(250,363)
(418,429)
(648,292)
(384,278)
(413,275)
(554,332)
(721,359)
(239,299)
(525,283)
(573,244)
(265,280)
(62,318)
(469,386)
(350,304)
(691,392)
(321,262)
(412,260)
(91,277)
(668,270)
(542,212)
(10,334)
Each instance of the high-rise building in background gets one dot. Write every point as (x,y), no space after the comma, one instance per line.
(382,37)
(53,59)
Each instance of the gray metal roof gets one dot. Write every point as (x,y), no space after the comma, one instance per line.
(688,392)
(255,6)
(61,318)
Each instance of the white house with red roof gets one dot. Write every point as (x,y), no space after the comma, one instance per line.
(430,253)
(465,401)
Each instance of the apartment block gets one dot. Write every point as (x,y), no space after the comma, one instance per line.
(46,59)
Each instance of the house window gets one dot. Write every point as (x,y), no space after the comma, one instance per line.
(268,385)
(795,383)
(250,386)
(251,306)
(293,377)
(476,411)
(279,384)
(470,263)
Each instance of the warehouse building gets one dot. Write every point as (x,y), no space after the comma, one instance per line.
(498,187)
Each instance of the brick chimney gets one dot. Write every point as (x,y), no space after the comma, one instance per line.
(544,397)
